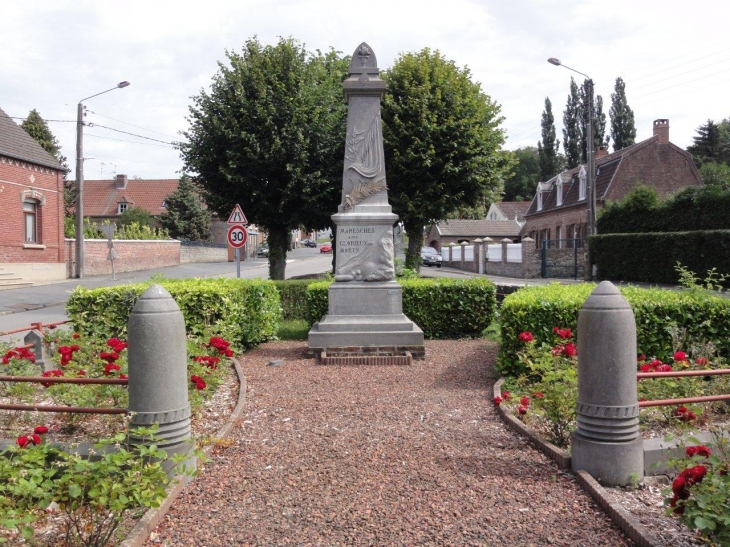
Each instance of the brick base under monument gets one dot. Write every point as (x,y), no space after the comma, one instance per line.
(368,355)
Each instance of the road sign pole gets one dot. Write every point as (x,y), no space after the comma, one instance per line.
(238,263)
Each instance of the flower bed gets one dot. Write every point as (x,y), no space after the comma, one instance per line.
(47,486)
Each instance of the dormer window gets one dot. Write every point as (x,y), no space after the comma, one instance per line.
(582,185)
(559,193)
(164,204)
(121,207)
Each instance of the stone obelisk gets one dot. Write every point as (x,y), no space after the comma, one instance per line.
(365,316)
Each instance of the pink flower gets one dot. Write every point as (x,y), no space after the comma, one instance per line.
(526,336)
(680,356)
(498,400)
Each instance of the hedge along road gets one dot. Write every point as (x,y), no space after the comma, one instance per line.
(47,303)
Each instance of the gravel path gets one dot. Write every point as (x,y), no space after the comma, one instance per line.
(380,456)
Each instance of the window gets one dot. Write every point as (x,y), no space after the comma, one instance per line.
(164,204)
(559,236)
(539,196)
(30,211)
(560,192)
(582,186)
(122,207)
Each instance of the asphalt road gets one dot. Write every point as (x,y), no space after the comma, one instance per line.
(47,303)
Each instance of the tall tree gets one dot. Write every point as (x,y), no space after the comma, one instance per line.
(548,146)
(520,184)
(443,143)
(38,128)
(186,218)
(573,127)
(599,124)
(270,135)
(708,145)
(623,131)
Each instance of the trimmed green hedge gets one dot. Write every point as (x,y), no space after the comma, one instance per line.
(443,308)
(652,257)
(244,312)
(293,293)
(539,309)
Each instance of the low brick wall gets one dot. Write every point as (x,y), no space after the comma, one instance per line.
(133,255)
(193,251)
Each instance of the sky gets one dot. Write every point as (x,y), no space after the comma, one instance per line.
(673,56)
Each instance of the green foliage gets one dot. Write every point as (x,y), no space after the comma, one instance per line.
(550,162)
(293,295)
(623,131)
(442,140)
(93,493)
(140,231)
(539,309)
(651,257)
(521,182)
(135,215)
(710,145)
(692,208)
(573,127)
(443,308)
(551,382)
(244,312)
(270,134)
(707,504)
(186,218)
(716,174)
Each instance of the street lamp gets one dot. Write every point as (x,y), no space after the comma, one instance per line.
(80,180)
(591,186)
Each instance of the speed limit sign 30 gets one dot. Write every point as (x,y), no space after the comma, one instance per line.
(237,236)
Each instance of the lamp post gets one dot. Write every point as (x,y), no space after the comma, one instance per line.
(80,179)
(591,186)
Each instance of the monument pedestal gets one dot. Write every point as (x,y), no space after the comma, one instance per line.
(366,319)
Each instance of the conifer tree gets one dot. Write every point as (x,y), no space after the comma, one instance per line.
(709,146)
(548,147)
(573,127)
(599,126)
(623,131)
(186,218)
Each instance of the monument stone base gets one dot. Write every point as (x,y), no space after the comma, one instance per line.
(610,463)
(366,320)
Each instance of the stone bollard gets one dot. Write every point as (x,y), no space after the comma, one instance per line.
(38,339)
(478,256)
(158,376)
(607,443)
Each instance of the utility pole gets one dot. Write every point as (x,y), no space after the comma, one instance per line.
(591,152)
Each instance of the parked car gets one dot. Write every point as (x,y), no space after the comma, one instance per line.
(263,251)
(430,257)
(308,243)
(325,248)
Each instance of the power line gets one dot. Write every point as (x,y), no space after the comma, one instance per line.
(131,124)
(45,120)
(132,134)
(131,142)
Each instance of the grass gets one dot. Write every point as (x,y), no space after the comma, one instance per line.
(294,329)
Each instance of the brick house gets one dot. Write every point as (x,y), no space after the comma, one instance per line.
(108,199)
(559,208)
(508,210)
(458,231)
(31,200)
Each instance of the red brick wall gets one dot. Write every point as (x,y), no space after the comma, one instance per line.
(17,180)
(133,255)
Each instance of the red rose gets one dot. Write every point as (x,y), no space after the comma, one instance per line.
(680,356)
(556,330)
(76,335)
(498,400)
(522,410)
(656,363)
(506,395)
(525,401)
(565,334)
(40,430)
(701,361)
(111,367)
(36,439)
(538,395)
(122,376)
(75,347)
(23,441)
(700,450)
(641,357)
(526,336)
(645,368)
(570,350)
(64,350)
(664,368)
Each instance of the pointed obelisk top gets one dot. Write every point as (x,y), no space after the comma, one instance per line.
(363,60)
(364,76)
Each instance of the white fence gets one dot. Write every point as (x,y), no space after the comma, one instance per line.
(495,252)
(514,252)
(456,253)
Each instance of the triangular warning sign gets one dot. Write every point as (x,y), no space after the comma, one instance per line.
(237,216)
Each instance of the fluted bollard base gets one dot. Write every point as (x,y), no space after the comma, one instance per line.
(610,463)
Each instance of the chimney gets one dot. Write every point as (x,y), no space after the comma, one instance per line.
(661,130)
(121,182)
(602,152)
